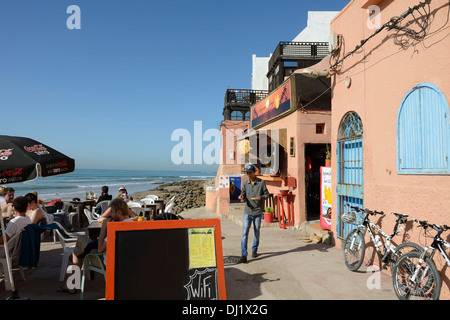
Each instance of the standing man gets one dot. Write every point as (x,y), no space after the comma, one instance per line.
(254,192)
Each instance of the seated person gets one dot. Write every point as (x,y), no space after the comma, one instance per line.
(48,216)
(62,218)
(107,213)
(104,196)
(20,221)
(6,207)
(123,193)
(84,245)
(34,211)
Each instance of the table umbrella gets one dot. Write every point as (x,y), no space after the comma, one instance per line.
(23,159)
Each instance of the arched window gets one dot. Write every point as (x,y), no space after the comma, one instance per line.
(423,132)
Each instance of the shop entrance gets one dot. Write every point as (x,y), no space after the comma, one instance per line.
(314,159)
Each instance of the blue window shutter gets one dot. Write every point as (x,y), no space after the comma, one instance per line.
(423,132)
(410,132)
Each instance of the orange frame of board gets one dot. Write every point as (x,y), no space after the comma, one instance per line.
(114,227)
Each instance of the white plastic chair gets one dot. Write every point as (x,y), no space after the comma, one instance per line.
(135,204)
(172,200)
(92,262)
(103,204)
(147,201)
(91,218)
(169,207)
(15,243)
(68,250)
(66,209)
(138,210)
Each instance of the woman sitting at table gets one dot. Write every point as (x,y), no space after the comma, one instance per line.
(118,212)
(35,211)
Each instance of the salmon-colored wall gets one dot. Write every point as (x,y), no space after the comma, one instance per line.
(230,130)
(301,126)
(381,73)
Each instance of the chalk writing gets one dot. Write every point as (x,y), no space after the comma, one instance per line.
(202,285)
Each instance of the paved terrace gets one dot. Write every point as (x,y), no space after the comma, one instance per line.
(287,269)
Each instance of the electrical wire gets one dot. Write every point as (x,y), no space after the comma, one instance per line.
(394,23)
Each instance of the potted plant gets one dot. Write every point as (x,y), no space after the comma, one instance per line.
(328,157)
(268,214)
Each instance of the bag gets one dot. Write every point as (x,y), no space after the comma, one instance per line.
(57,203)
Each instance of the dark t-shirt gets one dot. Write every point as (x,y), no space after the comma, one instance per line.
(104,197)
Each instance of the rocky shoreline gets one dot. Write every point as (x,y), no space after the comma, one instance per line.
(188,194)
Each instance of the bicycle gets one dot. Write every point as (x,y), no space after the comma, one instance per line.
(355,246)
(415,274)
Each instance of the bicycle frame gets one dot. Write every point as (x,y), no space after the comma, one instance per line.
(436,244)
(368,225)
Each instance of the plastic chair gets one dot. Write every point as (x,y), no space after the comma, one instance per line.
(65,240)
(138,210)
(169,207)
(92,262)
(15,243)
(66,209)
(172,200)
(91,218)
(104,205)
(135,204)
(147,201)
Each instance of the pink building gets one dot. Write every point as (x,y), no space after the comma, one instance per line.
(390,127)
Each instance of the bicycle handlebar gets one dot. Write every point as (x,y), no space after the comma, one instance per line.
(425,224)
(374,212)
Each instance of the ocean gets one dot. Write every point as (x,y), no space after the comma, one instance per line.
(77,183)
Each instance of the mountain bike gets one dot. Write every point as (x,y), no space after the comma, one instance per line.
(415,275)
(355,246)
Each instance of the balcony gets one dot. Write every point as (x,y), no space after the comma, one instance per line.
(238,101)
(290,56)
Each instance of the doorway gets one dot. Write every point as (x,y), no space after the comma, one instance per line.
(314,159)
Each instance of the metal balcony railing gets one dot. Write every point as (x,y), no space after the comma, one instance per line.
(299,50)
(243,98)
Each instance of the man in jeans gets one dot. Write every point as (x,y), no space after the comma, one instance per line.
(254,192)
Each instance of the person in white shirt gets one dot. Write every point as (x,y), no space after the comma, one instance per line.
(20,221)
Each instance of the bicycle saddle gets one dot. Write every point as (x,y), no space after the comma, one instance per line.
(403,217)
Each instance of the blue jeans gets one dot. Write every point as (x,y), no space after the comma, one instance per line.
(246,223)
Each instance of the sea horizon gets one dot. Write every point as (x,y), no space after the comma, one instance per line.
(76,184)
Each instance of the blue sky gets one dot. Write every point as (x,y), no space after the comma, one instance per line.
(110,94)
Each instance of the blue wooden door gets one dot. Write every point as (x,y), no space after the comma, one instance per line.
(350,182)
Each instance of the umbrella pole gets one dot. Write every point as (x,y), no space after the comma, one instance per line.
(8,260)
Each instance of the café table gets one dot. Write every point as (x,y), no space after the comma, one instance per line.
(80,205)
(93,229)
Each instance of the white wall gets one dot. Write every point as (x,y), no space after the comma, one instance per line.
(317,30)
(318,27)
(259,72)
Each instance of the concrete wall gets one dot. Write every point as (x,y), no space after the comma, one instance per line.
(381,74)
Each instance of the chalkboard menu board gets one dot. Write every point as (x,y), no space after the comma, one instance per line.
(165,260)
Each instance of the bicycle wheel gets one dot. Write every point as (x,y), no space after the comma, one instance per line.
(403,248)
(354,249)
(426,286)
